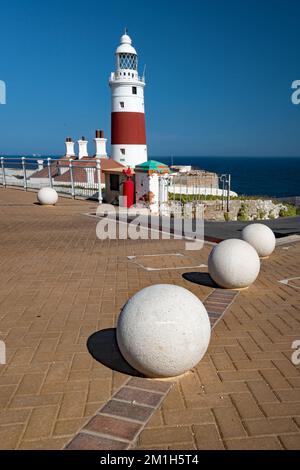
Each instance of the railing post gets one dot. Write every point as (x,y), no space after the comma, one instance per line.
(228,192)
(98,164)
(159,193)
(3,172)
(223,179)
(72,178)
(49,172)
(223,193)
(24,172)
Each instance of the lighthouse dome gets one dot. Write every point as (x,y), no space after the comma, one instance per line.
(126,45)
(125,39)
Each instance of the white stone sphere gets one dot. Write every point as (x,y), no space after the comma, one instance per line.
(261,238)
(163,331)
(47,196)
(234,264)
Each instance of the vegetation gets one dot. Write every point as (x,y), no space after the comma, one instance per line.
(290,211)
(243,215)
(262,215)
(192,197)
(271,215)
(184,198)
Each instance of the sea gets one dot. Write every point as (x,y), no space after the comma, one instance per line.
(255,176)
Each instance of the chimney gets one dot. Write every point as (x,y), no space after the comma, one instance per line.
(70,147)
(83,151)
(40,164)
(100,143)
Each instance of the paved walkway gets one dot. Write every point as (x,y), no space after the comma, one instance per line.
(59,285)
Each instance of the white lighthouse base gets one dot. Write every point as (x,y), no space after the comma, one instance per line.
(129,155)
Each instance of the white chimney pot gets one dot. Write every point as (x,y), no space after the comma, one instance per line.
(70,151)
(83,150)
(100,144)
(40,164)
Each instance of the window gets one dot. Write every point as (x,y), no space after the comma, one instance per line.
(123,151)
(114,182)
(128,61)
(122,104)
(134,90)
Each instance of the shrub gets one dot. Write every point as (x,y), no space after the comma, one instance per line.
(243,215)
(262,215)
(288,211)
(184,198)
(271,215)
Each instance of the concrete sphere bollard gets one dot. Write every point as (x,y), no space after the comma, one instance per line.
(261,238)
(163,331)
(47,197)
(234,264)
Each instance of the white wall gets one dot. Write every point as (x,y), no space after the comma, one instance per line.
(132,103)
(134,154)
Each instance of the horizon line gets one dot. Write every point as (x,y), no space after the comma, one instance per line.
(20,155)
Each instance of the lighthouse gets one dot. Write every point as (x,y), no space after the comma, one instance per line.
(128,130)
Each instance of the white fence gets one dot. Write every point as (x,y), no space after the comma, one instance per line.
(180,194)
(77,178)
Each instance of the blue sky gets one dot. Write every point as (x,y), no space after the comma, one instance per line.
(219,73)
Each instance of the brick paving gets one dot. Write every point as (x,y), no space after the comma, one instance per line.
(60,284)
(138,399)
(245,394)
(119,423)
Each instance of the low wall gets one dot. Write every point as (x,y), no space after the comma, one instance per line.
(247,210)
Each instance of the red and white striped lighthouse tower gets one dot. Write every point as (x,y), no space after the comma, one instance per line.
(128,130)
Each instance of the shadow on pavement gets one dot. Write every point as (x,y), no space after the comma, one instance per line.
(203,279)
(103,346)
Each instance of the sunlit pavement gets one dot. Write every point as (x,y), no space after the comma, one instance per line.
(60,284)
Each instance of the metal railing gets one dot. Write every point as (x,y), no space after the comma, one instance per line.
(82,179)
(77,178)
(200,188)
